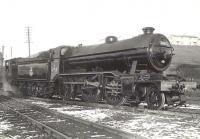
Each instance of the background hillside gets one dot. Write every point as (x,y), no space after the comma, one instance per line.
(186,62)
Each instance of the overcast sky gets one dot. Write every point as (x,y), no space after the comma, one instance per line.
(70,22)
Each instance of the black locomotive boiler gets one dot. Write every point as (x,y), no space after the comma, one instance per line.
(117,72)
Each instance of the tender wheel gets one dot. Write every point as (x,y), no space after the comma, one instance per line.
(91,94)
(68,94)
(30,89)
(38,90)
(49,90)
(35,90)
(155,99)
(45,92)
(23,89)
(114,94)
(41,90)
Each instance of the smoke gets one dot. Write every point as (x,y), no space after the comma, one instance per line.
(5,87)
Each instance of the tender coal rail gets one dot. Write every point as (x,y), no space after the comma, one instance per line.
(59,126)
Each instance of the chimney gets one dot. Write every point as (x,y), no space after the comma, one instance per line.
(148,30)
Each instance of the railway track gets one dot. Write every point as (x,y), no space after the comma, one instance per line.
(173,111)
(140,121)
(59,126)
(21,127)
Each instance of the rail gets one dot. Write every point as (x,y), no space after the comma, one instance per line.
(105,129)
(172,112)
(40,125)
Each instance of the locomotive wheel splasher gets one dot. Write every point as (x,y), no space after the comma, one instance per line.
(113,92)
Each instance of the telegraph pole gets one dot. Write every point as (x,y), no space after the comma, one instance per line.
(2,55)
(3,50)
(28,41)
(11,52)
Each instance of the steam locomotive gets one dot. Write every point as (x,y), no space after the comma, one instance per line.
(117,72)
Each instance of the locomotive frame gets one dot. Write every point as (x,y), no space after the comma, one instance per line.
(125,75)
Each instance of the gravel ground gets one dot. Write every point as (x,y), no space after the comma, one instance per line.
(13,127)
(144,124)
